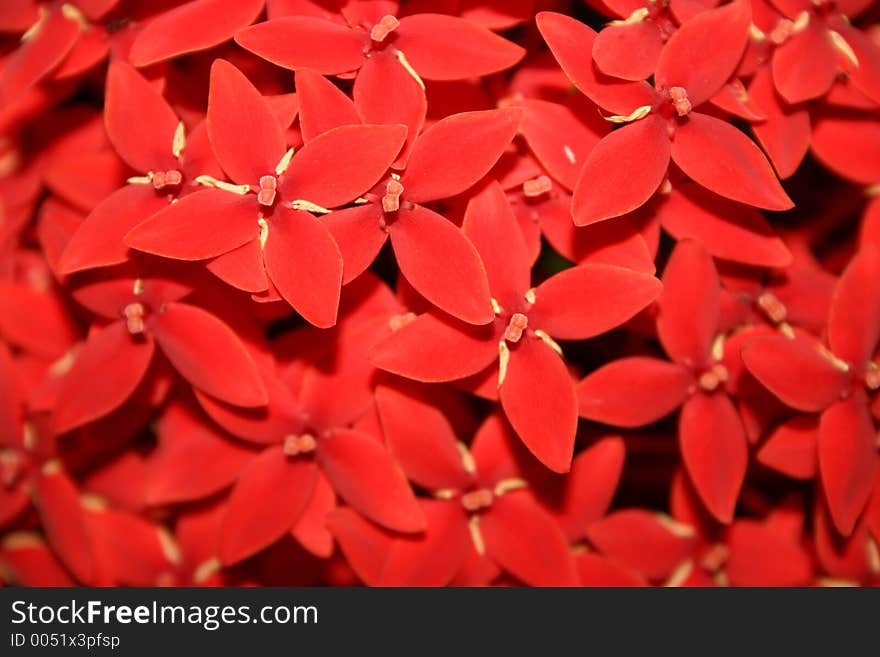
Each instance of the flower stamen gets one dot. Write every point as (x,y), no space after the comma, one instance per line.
(134,317)
(680,100)
(296,445)
(391,199)
(268,190)
(383,28)
(516,326)
(537,186)
(477,500)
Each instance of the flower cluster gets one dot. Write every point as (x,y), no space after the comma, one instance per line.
(439,292)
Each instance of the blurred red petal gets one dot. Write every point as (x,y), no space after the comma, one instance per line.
(106,372)
(208,354)
(847,459)
(714,450)
(270,495)
(633,392)
(795,371)
(524,540)
(364,475)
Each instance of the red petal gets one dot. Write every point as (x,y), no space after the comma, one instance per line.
(615,295)
(719,157)
(435,348)
(714,449)
(727,229)
(264,426)
(366,546)
(651,544)
(559,138)
(322,105)
(795,371)
(456,152)
(690,304)
(364,475)
(525,540)
(595,570)
(496,451)
(538,397)
(422,440)
(847,458)
(339,165)
(98,241)
(270,495)
(805,65)
(384,92)
(854,320)
(784,134)
(132,101)
(208,354)
(105,373)
(628,51)
(441,264)
(571,43)
(63,520)
(36,57)
(841,557)
(199,226)
(434,557)
(298,42)
(491,227)
(633,392)
(866,76)
(311,529)
(450,48)
(791,448)
(37,320)
(357,233)
(130,551)
(186,444)
(304,264)
(192,26)
(760,556)
(623,171)
(724,32)
(590,487)
(29,562)
(242,267)
(236,109)
(846,144)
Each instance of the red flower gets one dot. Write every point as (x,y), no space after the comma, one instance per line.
(481,504)
(627,166)
(839,383)
(820,33)
(519,348)
(168,159)
(261,225)
(137,313)
(433,255)
(638,390)
(309,448)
